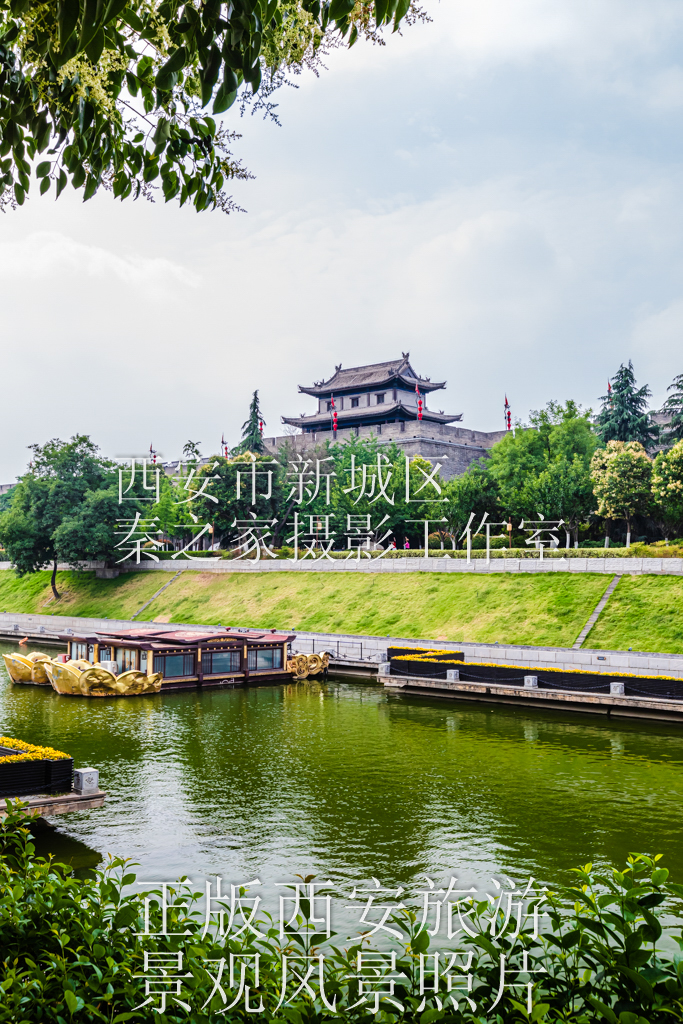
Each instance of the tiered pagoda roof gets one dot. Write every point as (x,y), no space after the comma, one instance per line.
(370,395)
(395,373)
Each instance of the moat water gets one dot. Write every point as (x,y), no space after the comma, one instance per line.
(342,780)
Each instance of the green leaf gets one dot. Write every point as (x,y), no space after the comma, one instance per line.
(602,1008)
(420,942)
(114,8)
(341,9)
(69,11)
(19,193)
(44,186)
(223,99)
(637,979)
(71,1000)
(659,876)
(91,187)
(429,1015)
(78,177)
(164,76)
(95,46)
(208,75)
(402,8)
(43,168)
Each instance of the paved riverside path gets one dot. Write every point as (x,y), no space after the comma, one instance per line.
(444,564)
(370,650)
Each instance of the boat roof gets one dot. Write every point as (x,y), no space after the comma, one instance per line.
(158,638)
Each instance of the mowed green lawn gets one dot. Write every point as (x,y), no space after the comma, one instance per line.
(645,613)
(510,609)
(82,593)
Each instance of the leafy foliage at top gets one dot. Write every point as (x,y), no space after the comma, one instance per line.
(114,92)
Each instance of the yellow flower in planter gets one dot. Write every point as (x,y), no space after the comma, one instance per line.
(29,752)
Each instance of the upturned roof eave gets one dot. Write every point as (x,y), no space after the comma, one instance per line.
(326,390)
(354,417)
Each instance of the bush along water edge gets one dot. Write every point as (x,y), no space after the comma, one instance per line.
(603,948)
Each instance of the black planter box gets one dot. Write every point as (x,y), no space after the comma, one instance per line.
(589,682)
(26,777)
(395,652)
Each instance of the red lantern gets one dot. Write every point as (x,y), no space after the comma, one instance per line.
(419,408)
(334,421)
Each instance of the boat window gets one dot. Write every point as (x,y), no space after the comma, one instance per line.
(105,654)
(261,661)
(79,652)
(174,665)
(220,661)
(143,661)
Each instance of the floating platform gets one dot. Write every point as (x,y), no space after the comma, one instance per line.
(622,706)
(46,804)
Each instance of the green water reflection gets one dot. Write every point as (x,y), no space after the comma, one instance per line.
(347,782)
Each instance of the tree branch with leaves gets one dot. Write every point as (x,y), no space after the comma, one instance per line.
(117,93)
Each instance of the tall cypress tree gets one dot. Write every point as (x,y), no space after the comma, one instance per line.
(252,438)
(673,431)
(624,415)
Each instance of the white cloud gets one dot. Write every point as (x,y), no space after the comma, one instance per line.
(48,254)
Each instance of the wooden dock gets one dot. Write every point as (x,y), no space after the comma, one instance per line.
(46,804)
(656,708)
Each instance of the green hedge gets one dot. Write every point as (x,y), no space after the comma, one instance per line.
(71,952)
(635,551)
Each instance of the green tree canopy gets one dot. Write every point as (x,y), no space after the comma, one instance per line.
(624,415)
(231,508)
(63,509)
(252,435)
(667,487)
(621,474)
(674,406)
(474,491)
(115,93)
(561,436)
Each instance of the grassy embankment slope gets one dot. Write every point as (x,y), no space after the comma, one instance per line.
(511,609)
(645,612)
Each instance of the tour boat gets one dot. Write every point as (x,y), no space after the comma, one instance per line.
(130,662)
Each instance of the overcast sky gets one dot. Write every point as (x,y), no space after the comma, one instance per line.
(499,192)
